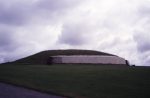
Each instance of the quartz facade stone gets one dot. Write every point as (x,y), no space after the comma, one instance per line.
(87,59)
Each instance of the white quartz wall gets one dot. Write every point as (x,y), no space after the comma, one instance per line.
(90,59)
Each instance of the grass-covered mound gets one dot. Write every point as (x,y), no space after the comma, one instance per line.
(42,57)
(82,81)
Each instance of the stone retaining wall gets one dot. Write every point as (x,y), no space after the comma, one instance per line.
(88,59)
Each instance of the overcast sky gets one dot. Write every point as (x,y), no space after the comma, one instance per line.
(120,27)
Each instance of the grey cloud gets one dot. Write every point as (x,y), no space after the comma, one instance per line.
(14,14)
(7,41)
(145,58)
(143,43)
(143,46)
(71,37)
(147,61)
(74,34)
(54,10)
(10,17)
(144,10)
(18,13)
(5,38)
(12,48)
(141,34)
(57,5)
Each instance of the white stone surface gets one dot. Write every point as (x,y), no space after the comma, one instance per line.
(91,59)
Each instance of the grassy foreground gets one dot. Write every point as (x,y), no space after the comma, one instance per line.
(81,81)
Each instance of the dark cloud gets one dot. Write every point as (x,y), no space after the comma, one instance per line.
(10,17)
(57,5)
(143,47)
(8,45)
(14,14)
(74,34)
(5,38)
(143,42)
(55,10)
(20,13)
(7,41)
(71,39)
(12,47)
(144,10)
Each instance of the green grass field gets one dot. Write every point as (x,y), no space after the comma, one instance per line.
(81,81)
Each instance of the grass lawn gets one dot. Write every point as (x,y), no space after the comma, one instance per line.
(84,81)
